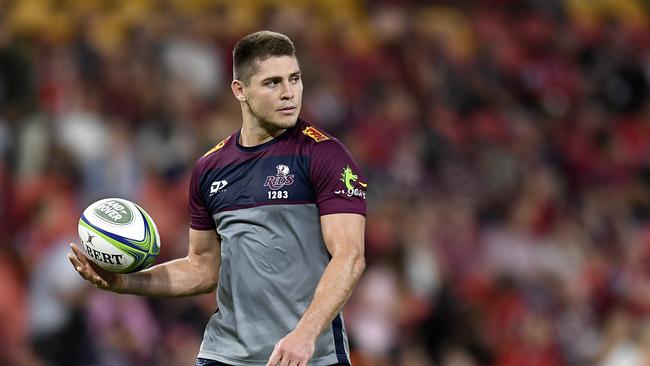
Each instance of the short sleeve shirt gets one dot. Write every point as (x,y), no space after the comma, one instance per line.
(265,204)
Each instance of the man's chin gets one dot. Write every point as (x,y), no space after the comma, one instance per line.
(283,123)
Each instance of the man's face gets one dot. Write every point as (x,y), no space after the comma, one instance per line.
(274,93)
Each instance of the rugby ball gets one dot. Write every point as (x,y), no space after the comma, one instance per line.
(118,235)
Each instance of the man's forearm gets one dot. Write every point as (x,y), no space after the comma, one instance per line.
(333,290)
(179,277)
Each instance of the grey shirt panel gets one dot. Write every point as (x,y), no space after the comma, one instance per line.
(272,258)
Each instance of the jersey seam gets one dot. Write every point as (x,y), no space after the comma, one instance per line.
(244,207)
(342,210)
(201,228)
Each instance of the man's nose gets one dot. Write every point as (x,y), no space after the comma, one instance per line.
(287,91)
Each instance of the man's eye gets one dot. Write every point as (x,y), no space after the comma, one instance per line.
(271,83)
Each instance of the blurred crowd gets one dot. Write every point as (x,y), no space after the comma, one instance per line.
(507,145)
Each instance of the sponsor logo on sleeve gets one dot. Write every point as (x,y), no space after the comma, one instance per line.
(315,134)
(217,146)
(353,187)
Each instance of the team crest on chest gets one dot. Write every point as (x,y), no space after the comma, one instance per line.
(280,179)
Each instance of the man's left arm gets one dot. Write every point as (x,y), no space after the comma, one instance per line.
(344,237)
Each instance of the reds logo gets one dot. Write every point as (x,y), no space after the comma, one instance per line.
(281,179)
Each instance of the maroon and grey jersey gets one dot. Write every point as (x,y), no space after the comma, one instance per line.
(265,203)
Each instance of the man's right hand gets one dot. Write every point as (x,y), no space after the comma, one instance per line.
(93,273)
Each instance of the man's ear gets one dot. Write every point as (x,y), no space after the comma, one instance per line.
(238,90)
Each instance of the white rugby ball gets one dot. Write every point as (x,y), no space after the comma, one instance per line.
(118,235)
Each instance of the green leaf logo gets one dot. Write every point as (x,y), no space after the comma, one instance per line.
(348,177)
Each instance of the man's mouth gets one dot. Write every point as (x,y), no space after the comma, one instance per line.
(287,110)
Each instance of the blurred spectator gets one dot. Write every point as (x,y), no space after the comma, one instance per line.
(56,321)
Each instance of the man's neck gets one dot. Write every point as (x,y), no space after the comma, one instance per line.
(253,135)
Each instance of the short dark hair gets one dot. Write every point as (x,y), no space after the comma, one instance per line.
(256,47)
